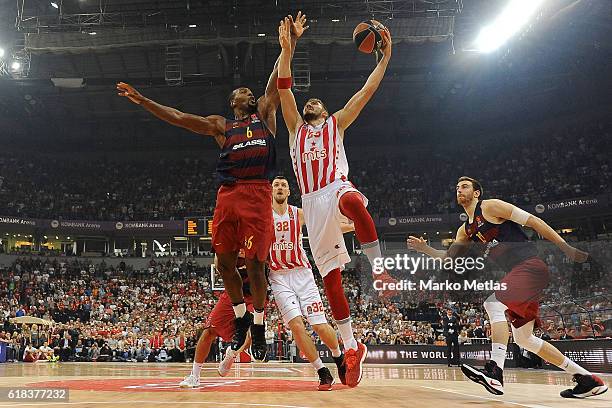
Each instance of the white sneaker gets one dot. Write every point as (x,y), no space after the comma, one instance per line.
(228,361)
(191,381)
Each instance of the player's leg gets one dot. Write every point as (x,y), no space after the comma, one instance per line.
(229,356)
(587,384)
(257,230)
(226,242)
(330,254)
(303,284)
(327,334)
(232,282)
(306,345)
(338,303)
(352,205)
(242,318)
(258,284)
(492,376)
(202,349)
(354,351)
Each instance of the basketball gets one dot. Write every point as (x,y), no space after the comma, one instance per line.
(368,36)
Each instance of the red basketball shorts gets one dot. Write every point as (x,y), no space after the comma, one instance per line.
(525,284)
(222,316)
(243,219)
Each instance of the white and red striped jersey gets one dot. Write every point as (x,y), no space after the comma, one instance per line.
(287,252)
(318,156)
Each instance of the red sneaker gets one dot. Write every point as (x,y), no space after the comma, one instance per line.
(354,364)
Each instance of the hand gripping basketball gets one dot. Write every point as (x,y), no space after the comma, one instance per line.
(371,36)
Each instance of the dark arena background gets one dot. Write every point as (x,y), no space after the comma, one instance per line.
(107,273)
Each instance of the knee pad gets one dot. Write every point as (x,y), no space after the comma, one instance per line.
(523,336)
(495,309)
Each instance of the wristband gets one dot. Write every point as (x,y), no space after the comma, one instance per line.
(283,83)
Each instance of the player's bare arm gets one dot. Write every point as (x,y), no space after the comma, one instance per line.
(213,125)
(458,248)
(268,103)
(291,115)
(500,210)
(347,115)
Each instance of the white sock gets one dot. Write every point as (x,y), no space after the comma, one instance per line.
(317,364)
(346,332)
(195,370)
(498,354)
(371,250)
(258,317)
(336,352)
(239,309)
(573,368)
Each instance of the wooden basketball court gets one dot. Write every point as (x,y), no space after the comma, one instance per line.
(134,385)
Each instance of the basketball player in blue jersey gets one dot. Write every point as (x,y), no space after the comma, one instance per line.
(494,230)
(243,214)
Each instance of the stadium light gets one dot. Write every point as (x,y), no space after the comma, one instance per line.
(15,66)
(54,5)
(1,52)
(509,22)
(193,25)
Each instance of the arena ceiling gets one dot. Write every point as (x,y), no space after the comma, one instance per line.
(234,43)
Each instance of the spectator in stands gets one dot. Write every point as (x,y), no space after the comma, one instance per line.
(564,334)
(94,352)
(143,353)
(463,337)
(30,354)
(106,354)
(20,312)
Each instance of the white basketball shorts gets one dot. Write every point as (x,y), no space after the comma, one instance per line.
(296,294)
(323,220)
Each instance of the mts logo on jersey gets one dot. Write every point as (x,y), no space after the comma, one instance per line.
(314,154)
(282,246)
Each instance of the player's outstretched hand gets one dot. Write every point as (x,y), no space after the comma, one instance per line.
(129,92)
(298,25)
(284,34)
(575,254)
(416,244)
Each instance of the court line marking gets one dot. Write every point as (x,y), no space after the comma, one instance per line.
(486,398)
(240,404)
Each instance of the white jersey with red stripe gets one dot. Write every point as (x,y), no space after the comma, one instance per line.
(318,156)
(287,251)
